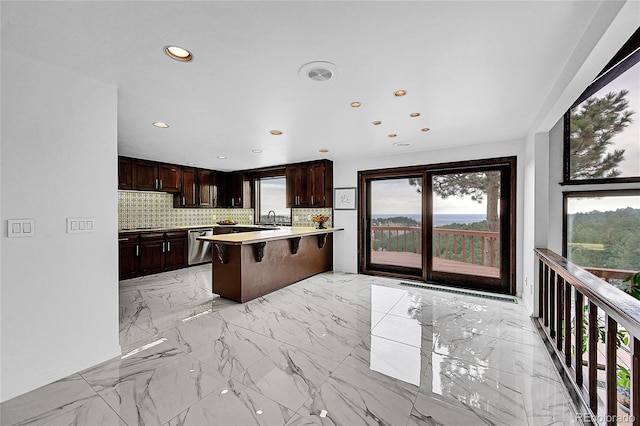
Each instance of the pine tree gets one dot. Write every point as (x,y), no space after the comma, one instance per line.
(592,128)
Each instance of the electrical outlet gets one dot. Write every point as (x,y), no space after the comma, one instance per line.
(20,228)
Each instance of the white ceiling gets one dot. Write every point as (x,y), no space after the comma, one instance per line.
(478,72)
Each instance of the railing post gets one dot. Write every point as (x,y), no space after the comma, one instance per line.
(559,311)
(611,370)
(567,323)
(579,306)
(635,379)
(593,357)
(545,290)
(552,304)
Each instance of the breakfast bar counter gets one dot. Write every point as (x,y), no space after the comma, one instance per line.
(251,264)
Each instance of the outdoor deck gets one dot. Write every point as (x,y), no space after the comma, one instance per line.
(414,260)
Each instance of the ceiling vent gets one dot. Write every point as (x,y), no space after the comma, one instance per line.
(319,71)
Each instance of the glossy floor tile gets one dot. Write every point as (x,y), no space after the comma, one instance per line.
(334,349)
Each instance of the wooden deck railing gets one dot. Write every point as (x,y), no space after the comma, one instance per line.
(580,314)
(475,247)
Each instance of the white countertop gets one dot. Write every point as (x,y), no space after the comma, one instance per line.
(266,235)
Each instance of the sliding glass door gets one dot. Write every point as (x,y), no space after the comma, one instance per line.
(395,218)
(451,223)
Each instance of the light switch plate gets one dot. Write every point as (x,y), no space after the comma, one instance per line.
(21,228)
(80,225)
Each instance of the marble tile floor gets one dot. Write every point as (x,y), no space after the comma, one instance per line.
(334,349)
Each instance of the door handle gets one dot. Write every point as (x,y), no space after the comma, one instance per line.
(163,247)
(312,200)
(156,183)
(168,245)
(137,250)
(184,200)
(160,183)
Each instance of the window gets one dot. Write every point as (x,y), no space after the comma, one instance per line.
(271,196)
(602,128)
(602,229)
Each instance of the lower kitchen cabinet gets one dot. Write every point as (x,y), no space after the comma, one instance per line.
(176,250)
(151,252)
(128,256)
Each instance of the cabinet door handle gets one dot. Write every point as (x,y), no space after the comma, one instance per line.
(160,183)
(168,245)
(137,250)
(312,200)
(156,183)
(184,200)
(163,247)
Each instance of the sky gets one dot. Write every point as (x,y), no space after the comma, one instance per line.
(396,196)
(603,204)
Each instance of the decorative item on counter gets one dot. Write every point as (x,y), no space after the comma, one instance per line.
(320,219)
(227,221)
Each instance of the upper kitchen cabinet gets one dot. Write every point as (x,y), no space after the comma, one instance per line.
(198,189)
(207,189)
(124,173)
(148,175)
(145,175)
(170,177)
(310,184)
(233,190)
(189,195)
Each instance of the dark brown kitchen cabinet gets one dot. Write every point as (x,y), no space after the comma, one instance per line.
(128,251)
(189,195)
(145,175)
(176,250)
(151,252)
(124,173)
(198,188)
(207,190)
(310,184)
(151,176)
(233,190)
(169,177)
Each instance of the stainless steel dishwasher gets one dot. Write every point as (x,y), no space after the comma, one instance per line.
(199,251)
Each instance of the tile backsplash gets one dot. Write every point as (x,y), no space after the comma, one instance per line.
(155,210)
(138,209)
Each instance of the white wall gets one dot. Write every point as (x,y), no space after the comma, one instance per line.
(345,174)
(59,159)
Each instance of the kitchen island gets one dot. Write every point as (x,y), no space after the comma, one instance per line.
(251,264)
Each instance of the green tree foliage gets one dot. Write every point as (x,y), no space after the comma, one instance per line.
(605,239)
(592,128)
(476,185)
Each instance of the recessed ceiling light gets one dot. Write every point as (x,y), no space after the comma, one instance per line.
(222,157)
(400,93)
(403,143)
(323,150)
(160,124)
(376,123)
(178,53)
(256,151)
(414,114)
(319,71)
(426,129)
(355,104)
(276,132)
(392,135)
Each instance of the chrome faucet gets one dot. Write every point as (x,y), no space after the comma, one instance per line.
(274,216)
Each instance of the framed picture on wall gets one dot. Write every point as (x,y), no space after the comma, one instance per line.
(344,199)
